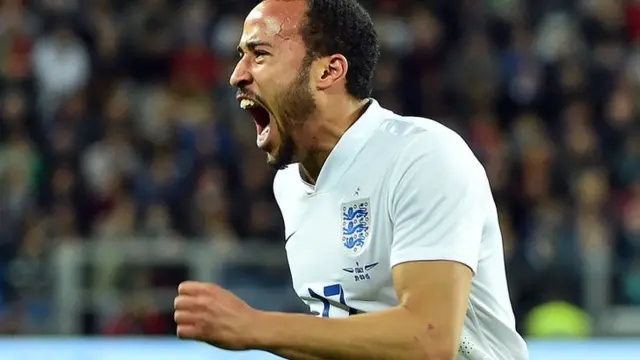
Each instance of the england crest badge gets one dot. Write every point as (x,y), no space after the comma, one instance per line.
(356,222)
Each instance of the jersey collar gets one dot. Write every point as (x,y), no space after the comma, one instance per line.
(349,145)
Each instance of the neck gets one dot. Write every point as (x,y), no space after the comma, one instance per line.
(324,132)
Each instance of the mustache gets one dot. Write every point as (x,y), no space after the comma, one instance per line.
(249,95)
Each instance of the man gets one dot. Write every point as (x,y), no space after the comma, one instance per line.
(392,232)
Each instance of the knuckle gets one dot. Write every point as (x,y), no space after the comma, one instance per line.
(201,301)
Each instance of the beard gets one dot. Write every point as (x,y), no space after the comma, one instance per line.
(295,106)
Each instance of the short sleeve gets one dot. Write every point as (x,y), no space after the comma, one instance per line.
(440,202)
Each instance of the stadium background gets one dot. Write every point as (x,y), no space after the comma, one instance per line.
(126,165)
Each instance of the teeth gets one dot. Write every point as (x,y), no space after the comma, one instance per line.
(247,104)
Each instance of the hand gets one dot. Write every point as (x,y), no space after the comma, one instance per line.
(209,313)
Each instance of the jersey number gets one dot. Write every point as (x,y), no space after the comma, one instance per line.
(330,291)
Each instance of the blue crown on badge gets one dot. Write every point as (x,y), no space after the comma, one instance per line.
(355,225)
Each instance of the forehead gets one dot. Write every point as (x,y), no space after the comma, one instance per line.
(274,21)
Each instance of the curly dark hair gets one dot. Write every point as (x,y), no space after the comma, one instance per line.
(343,27)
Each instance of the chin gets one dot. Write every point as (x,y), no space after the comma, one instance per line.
(283,156)
(277,162)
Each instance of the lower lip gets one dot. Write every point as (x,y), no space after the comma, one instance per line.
(263,138)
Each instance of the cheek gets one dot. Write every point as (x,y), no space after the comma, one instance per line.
(278,129)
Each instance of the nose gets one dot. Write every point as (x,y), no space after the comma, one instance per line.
(240,76)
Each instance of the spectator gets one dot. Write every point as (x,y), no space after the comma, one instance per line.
(117,123)
(61,67)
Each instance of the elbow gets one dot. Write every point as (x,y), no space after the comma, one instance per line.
(432,355)
(439,354)
(443,355)
(438,351)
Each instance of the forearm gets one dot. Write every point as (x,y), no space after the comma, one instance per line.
(297,355)
(392,334)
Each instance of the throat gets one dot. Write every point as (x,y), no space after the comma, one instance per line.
(309,174)
(323,136)
(310,168)
(312,155)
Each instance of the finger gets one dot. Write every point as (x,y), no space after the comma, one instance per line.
(191,288)
(187,331)
(195,288)
(183,317)
(185,302)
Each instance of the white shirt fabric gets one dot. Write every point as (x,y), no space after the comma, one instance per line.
(59,71)
(397,189)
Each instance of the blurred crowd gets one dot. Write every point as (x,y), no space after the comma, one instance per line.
(117,121)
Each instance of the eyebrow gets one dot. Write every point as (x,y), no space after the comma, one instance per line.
(253,44)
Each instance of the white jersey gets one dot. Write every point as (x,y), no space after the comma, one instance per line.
(398,189)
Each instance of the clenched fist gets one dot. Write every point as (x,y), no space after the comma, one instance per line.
(209,313)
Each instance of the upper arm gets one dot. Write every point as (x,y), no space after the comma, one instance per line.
(439,203)
(438,209)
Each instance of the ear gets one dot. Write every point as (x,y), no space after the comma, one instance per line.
(331,70)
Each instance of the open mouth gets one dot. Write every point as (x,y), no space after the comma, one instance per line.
(262,118)
(258,112)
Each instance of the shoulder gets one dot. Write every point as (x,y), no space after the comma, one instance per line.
(433,165)
(418,136)
(434,147)
(437,173)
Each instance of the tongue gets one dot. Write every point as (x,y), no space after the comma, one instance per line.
(263,136)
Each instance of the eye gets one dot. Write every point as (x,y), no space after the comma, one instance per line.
(259,54)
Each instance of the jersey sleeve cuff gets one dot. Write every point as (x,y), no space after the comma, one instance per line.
(428,255)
